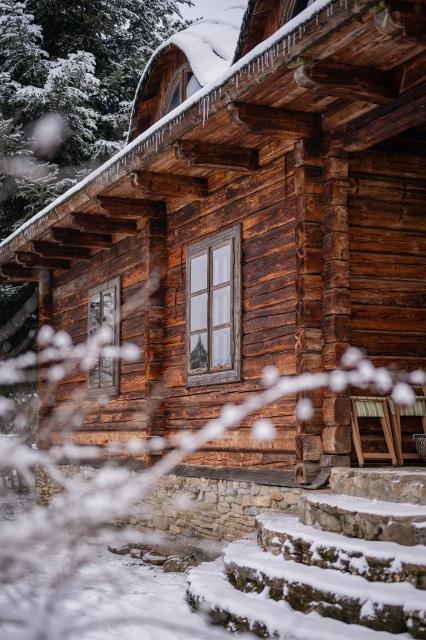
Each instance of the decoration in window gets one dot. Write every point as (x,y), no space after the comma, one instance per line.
(104,302)
(214,308)
(184,85)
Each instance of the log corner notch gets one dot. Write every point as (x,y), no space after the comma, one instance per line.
(262,119)
(329,78)
(165,185)
(217,156)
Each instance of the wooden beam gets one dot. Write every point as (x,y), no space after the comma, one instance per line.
(102,224)
(262,119)
(128,209)
(217,156)
(28,259)
(15,273)
(171,185)
(409,110)
(53,250)
(72,237)
(410,28)
(329,78)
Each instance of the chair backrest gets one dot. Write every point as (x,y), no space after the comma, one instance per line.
(417,408)
(368,406)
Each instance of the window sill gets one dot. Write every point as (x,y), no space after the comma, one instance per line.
(218,377)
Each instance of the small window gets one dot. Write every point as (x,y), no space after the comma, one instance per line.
(104,303)
(183,85)
(298,7)
(214,308)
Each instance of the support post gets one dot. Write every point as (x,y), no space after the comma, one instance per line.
(154,318)
(336,409)
(46,401)
(308,162)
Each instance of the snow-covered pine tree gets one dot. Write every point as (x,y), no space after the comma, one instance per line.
(81,60)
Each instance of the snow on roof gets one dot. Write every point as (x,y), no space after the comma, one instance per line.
(209,43)
(152,135)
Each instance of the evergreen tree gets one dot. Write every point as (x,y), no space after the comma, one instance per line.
(77,63)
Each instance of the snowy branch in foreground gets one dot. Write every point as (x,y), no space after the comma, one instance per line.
(36,591)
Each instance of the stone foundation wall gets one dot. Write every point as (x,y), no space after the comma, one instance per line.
(220,510)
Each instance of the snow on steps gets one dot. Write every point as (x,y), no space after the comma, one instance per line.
(351,599)
(284,535)
(209,590)
(403,522)
(395,485)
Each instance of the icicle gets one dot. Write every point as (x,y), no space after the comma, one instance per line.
(300,32)
(317,18)
(331,9)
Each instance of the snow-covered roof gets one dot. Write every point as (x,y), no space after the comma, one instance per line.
(209,45)
(152,137)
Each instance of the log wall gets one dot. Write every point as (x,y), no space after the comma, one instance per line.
(387,243)
(264,205)
(124,416)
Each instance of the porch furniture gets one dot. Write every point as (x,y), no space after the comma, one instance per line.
(418,409)
(372,407)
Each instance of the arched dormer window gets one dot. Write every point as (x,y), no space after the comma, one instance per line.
(184,84)
(296,7)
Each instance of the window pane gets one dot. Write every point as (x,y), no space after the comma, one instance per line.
(199,312)
(198,358)
(94,314)
(94,376)
(199,273)
(108,307)
(221,347)
(192,85)
(222,265)
(221,306)
(174,100)
(107,372)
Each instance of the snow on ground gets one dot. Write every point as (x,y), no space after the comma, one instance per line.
(111,597)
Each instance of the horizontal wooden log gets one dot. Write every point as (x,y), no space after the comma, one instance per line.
(345,81)
(329,460)
(173,185)
(336,412)
(53,250)
(76,238)
(337,440)
(33,260)
(15,273)
(386,121)
(129,209)
(102,224)
(272,120)
(217,156)
(309,447)
(408,27)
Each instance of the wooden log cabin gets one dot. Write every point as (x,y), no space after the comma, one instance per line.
(268,208)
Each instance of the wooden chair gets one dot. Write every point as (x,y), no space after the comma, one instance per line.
(372,407)
(418,408)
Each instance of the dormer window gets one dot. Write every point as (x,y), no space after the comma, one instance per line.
(183,85)
(298,7)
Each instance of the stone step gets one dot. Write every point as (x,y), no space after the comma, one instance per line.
(208,589)
(282,534)
(393,485)
(396,608)
(403,523)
